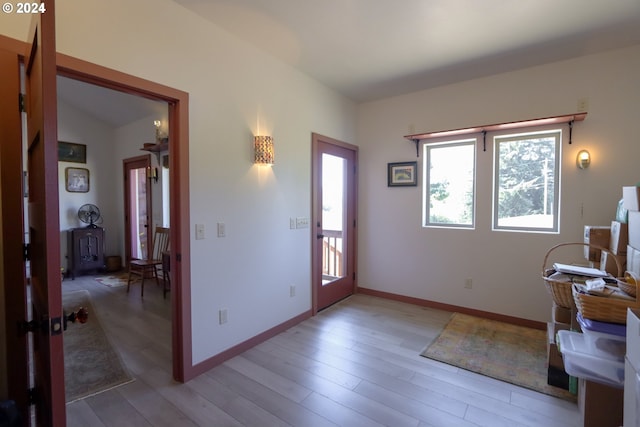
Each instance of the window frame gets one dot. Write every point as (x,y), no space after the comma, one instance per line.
(464,140)
(555,132)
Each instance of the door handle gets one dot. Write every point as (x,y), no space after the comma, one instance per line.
(82,315)
(320,236)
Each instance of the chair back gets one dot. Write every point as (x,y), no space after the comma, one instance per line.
(160,243)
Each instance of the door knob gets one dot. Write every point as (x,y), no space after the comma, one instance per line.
(82,315)
(320,236)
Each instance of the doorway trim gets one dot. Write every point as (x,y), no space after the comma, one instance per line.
(128,165)
(178,102)
(316,268)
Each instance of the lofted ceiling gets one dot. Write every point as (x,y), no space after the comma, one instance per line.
(372,49)
(109,106)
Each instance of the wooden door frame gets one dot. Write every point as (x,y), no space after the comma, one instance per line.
(146,159)
(178,102)
(316,268)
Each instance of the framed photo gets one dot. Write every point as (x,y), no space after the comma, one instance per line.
(77,180)
(402,174)
(70,152)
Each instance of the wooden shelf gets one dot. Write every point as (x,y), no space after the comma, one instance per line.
(156,148)
(568,118)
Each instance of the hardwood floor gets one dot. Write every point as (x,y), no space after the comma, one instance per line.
(355,364)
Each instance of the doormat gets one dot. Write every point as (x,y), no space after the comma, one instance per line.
(114,280)
(91,364)
(511,353)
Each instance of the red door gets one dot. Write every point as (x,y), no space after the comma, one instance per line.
(334,220)
(13,229)
(43,219)
(138,205)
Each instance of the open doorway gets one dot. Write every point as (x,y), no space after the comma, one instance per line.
(177,171)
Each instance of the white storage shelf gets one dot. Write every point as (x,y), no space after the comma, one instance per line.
(601,360)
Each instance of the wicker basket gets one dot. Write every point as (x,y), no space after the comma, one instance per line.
(628,283)
(604,309)
(562,292)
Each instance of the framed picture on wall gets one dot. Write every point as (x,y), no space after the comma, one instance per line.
(402,174)
(77,180)
(70,152)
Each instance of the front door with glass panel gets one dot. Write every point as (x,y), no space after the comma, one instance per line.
(334,177)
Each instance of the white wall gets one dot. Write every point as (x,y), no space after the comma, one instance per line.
(235,92)
(80,128)
(397,255)
(128,140)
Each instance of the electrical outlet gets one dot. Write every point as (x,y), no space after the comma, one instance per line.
(583,105)
(292,291)
(222,316)
(468,284)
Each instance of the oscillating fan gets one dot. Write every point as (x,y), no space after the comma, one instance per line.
(89,214)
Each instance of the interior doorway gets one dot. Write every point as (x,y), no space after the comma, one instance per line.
(138,207)
(178,144)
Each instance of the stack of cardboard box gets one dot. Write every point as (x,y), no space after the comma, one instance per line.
(612,237)
(622,239)
(600,405)
(631,202)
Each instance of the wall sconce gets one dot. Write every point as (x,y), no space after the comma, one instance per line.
(263,150)
(583,159)
(152,174)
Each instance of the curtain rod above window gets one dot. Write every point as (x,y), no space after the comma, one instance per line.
(568,118)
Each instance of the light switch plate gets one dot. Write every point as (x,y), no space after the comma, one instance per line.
(199,231)
(222,229)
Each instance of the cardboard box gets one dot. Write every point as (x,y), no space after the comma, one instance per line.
(633,260)
(553,328)
(634,229)
(600,405)
(633,333)
(631,198)
(596,235)
(619,238)
(608,264)
(560,314)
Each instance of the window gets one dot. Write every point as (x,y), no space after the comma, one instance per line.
(449,191)
(526,181)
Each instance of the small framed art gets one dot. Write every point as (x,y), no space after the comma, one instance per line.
(77,180)
(402,174)
(70,152)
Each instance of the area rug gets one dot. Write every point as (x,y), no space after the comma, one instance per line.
(91,364)
(515,354)
(114,280)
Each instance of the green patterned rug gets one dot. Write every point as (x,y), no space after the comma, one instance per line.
(515,354)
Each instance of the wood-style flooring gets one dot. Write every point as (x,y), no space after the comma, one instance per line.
(354,364)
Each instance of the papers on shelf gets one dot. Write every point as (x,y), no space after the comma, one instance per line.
(581,271)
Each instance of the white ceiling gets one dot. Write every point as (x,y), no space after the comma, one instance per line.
(371,49)
(110,106)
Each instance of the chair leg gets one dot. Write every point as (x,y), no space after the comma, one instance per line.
(166,285)
(129,280)
(144,272)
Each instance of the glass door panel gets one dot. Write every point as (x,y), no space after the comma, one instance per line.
(333,218)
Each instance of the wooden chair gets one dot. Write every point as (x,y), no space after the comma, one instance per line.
(147,268)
